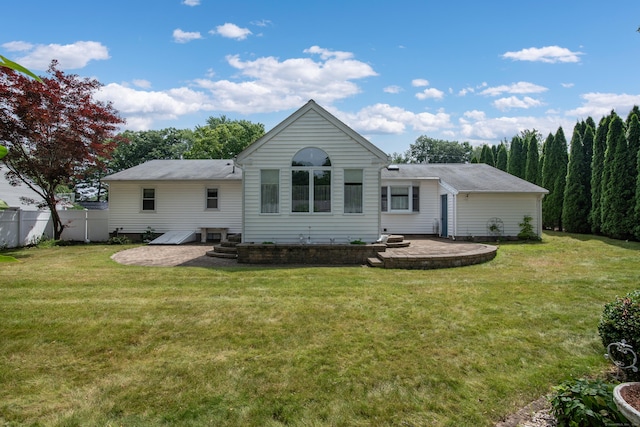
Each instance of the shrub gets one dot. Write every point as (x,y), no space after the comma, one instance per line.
(118,240)
(526,229)
(620,320)
(585,403)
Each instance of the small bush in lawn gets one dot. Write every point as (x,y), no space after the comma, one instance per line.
(118,240)
(620,320)
(585,403)
(526,229)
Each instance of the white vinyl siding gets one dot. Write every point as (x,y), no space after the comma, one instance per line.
(311,130)
(179,206)
(424,221)
(474,210)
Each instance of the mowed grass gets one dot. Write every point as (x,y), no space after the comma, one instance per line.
(86,341)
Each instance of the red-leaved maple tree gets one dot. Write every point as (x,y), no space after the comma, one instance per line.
(53,131)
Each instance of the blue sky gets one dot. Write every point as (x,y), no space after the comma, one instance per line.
(392,70)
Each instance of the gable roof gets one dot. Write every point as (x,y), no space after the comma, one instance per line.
(464,177)
(179,170)
(312,105)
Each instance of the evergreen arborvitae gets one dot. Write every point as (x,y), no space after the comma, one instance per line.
(502,157)
(486,155)
(633,138)
(617,191)
(517,158)
(597,172)
(577,203)
(531,173)
(587,144)
(633,147)
(554,175)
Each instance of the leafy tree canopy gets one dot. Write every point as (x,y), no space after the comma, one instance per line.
(430,150)
(54,130)
(222,138)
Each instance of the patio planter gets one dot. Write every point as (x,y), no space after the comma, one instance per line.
(627,399)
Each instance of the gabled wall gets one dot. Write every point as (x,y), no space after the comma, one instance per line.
(311,129)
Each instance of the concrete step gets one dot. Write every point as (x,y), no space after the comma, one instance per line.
(392,245)
(225,249)
(222,255)
(228,244)
(395,238)
(375,262)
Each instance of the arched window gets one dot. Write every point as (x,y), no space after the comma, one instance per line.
(311,181)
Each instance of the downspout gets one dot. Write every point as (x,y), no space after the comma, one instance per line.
(242,226)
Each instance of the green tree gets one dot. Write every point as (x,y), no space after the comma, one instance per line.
(399,158)
(577,203)
(7,63)
(554,179)
(517,157)
(222,138)
(502,157)
(617,191)
(137,147)
(54,130)
(430,150)
(532,171)
(597,174)
(486,155)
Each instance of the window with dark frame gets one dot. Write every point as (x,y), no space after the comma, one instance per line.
(212,198)
(148,199)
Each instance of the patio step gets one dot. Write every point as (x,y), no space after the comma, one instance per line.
(375,262)
(395,238)
(216,254)
(224,250)
(397,241)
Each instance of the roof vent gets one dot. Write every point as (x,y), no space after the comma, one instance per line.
(393,167)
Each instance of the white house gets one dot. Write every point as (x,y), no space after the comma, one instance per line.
(314,179)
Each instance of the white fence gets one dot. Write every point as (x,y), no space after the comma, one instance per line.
(21,228)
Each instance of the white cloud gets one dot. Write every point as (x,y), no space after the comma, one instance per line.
(231,31)
(263,85)
(567,85)
(419,82)
(517,88)
(387,119)
(515,102)
(69,56)
(142,108)
(191,2)
(548,54)
(392,89)
(598,104)
(145,84)
(476,126)
(268,84)
(261,23)
(430,93)
(180,36)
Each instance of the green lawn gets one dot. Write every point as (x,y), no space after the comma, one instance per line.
(85,341)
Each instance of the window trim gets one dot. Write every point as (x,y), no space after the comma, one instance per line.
(207,198)
(346,183)
(413,197)
(143,199)
(277,184)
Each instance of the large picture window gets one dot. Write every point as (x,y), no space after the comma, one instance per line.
(269,191)
(311,181)
(353,191)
